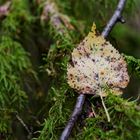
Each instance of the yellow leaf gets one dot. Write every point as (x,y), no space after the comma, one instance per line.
(96,63)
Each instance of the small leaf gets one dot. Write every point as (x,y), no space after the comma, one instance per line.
(95,64)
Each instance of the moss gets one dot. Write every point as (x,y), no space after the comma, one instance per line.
(134,65)
(14,64)
(124,123)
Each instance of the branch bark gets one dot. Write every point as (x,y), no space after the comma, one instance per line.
(77,111)
(117,16)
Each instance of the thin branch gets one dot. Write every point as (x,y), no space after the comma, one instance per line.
(25,126)
(77,111)
(117,16)
(81,98)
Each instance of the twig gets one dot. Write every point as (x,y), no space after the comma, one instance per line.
(117,16)
(81,98)
(25,126)
(77,110)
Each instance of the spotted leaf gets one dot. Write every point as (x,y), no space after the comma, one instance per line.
(96,63)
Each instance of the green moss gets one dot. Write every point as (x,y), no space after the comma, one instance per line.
(134,65)
(59,100)
(14,64)
(125,123)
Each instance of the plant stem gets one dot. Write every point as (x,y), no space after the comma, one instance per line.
(106,111)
